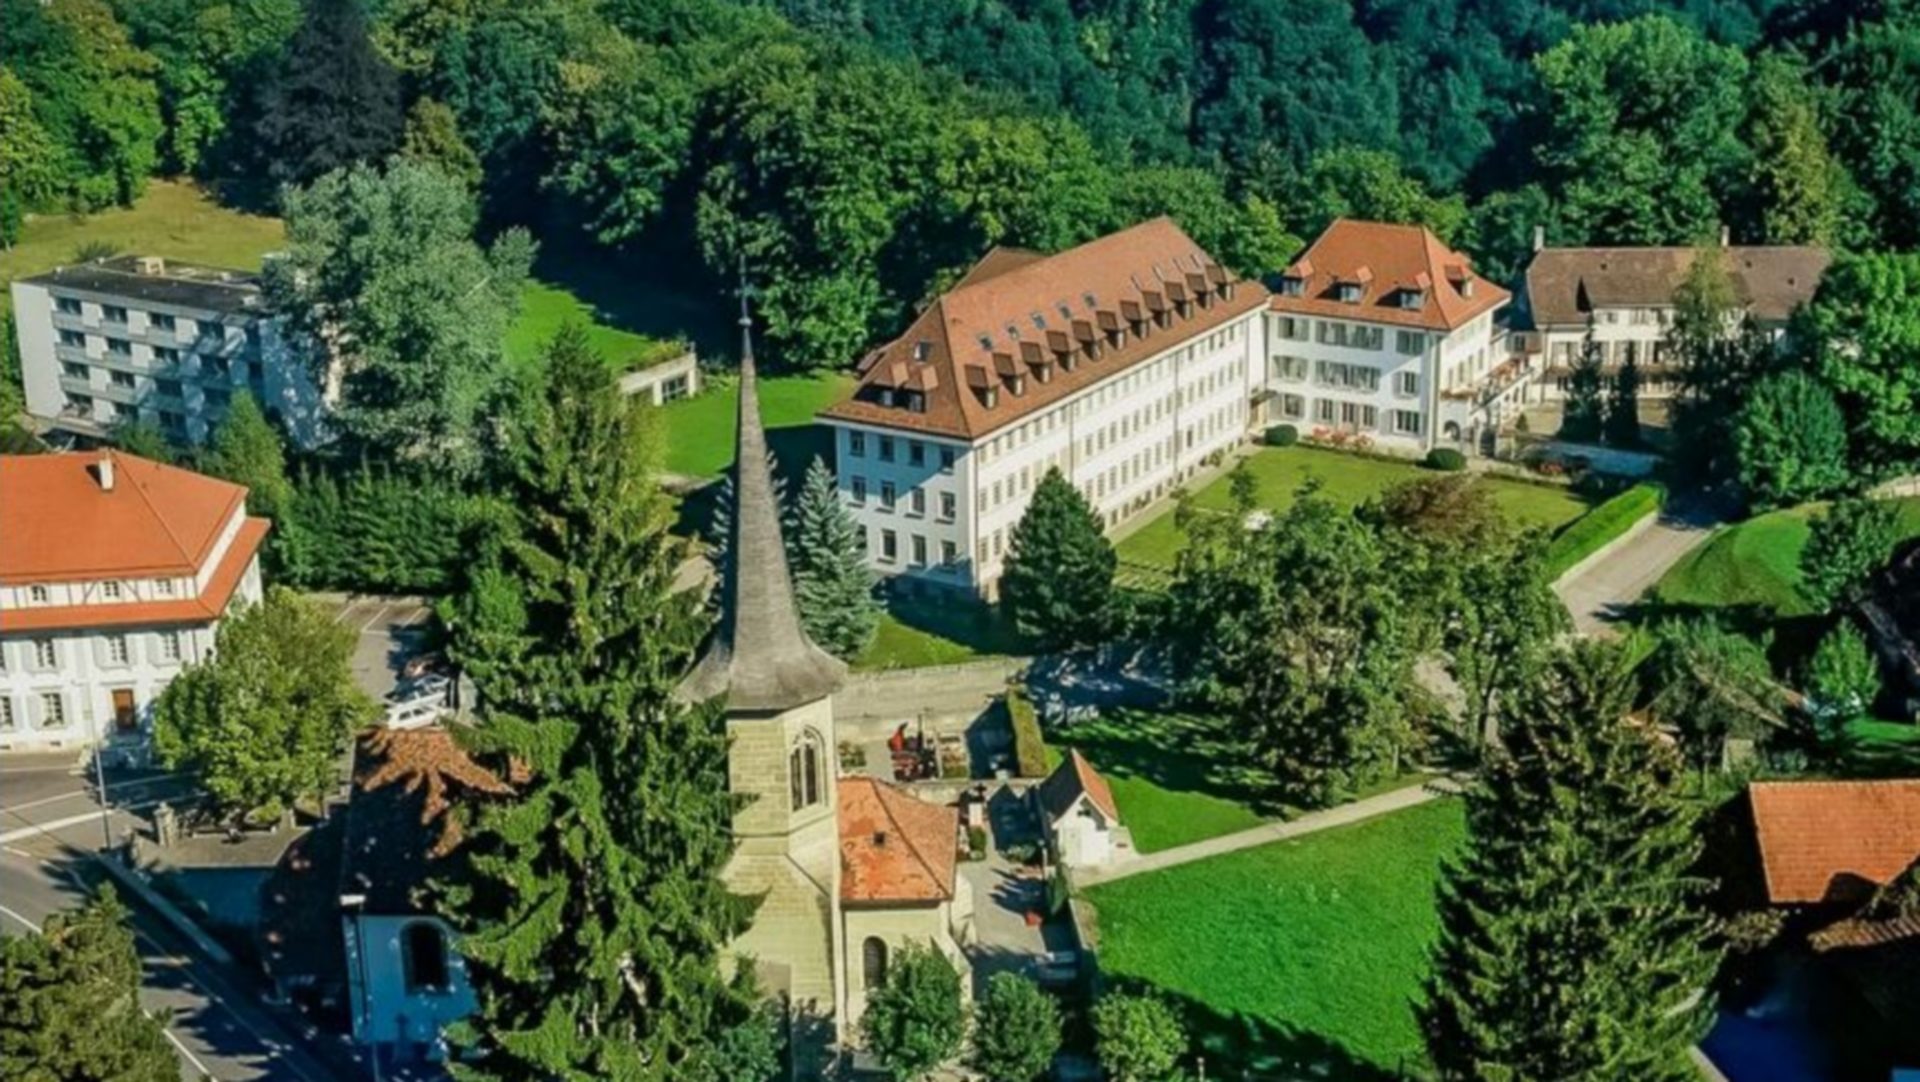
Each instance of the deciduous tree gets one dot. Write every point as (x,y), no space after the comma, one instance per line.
(247,451)
(1850,540)
(1713,686)
(915,1021)
(332,101)
(1790,441)
(1016,1030)
(1842,679)
(1862,333)
(1137,1037)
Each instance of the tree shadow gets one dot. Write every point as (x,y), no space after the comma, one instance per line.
(644,290)
(1178,752)
(974,624)
(1242,1046)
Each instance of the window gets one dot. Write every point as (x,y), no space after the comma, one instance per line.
(113,313)
(949,552)
(1406,422)
(887,496)
(73,339)
(1409,341)
(213,366)
(917,502)
(1289,368)
(803,771)
(857,444)
(889,546)
(73,371)
(117,649)
(170,646)
(916,453)
(1323,411)
(873,962)
(859,491)
(80,403)
(163,322)
(886,448)
(53,710)
(166,355)
(948,506)
(67,306)
(175,423)
(6,714)
(1406,384)
(946,460)
(919,550)
(46,654)
(110,591)
(1293,407)
(37,594)
(424,957)
(218,397)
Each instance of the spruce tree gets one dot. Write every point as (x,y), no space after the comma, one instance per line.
(832,583)
(1585,409)
(69,1006)
(594,911)
(332,100)
(1058,580)
(1622,427)
(247,450)
(1574,943)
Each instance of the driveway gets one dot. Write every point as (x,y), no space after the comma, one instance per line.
(1604,591)
(389,631)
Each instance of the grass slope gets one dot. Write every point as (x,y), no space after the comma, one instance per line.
(1171,774)
(914,634)
(545,307)
(1755,564)
(1351,479)
(1297,959)
(174,220)
(700,430)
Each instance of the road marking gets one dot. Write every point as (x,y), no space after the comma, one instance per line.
(204,1070)
(45,800)
(18,917)
(72,820)
(379,613)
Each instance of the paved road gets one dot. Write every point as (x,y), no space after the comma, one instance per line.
(1312,822)
(214,1018)
(1605,591)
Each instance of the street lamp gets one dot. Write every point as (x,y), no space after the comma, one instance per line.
(100,775)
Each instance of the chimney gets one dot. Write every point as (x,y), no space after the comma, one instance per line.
(1726,237)
(103,471)
(1539,237)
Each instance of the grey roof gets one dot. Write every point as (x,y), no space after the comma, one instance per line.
(759,657)
(179,285)
(1564,284)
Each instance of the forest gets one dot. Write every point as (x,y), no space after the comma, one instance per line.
(856,155)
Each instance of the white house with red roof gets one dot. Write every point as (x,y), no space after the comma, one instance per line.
(1381,334)
(114,574)
(1083,822)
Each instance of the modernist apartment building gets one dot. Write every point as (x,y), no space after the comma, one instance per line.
(1125,362)
(1382,331)
(1624,297)
(142,338)
(114,573)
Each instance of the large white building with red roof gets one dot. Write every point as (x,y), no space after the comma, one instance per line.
(114,574)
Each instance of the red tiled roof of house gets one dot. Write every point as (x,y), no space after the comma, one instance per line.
(1072,779)
(1017,316)
(61,526)
(1830,841)
(1388,262)
(208,605)
(894,847)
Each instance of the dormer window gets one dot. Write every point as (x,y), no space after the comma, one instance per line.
(921,349)
(1017,384)
(1290,286)
(1065,312)
(986,342)
(886,397)
(1412,298)
(990,397)
(1226,290)
(1043,373)
(1039,321)
(1091,303)
(1347,292)
(37,594)
(916,402)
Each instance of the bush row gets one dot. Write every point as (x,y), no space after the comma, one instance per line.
(1029,745)
(1587,534)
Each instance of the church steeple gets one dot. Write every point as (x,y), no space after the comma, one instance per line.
(759,658)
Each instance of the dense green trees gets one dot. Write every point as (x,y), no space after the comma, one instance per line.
(1574,939)
(330,101)
(1137,1037)
(1713,686)
(1862,333)
(832,583)
(594,911)
(915,1021)
(1058,580)
(390,298)
(1790,441)
(1849,540)
(68,1006)
(1016,1030)
(264,719)
(1841,680)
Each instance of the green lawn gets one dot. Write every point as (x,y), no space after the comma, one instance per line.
(1298,959)
(1351,479)
(1755,564)
(913,635)
(1882,749)
(173,220)
(700,429)
(545,307)
(1172,774)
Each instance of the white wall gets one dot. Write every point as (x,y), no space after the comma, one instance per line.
(384,1010)
(1083,837)
(1427,358)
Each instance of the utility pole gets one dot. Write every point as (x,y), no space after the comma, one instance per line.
(100,776)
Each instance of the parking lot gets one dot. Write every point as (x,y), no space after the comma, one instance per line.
(389,630)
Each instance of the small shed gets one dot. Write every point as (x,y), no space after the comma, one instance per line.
(1082,821)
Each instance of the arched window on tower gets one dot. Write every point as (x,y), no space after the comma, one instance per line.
(873,962)
(803,771)
(424,953)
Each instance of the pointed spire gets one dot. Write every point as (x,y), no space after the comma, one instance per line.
(759,658)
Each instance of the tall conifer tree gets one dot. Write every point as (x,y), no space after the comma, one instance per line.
(333,100)
(1573,942)
(1586,394)
(1058,580)
(594,911)
(831,580)
(69,1006)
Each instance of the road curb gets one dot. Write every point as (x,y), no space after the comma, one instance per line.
(136,883)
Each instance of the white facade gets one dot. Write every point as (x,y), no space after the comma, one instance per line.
(406,981)
(1385,382)
(1619,334)
(941,511)
(1083,836)
(97,350)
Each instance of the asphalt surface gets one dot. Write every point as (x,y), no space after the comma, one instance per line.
(1600,595)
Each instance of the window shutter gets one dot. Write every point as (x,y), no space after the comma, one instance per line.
(100,656)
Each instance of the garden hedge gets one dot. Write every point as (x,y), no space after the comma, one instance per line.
(1446,458)
(1587,534)
(1029,746)
(1282,436)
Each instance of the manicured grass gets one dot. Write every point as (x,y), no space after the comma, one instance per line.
(1351,479)
(1755,565)
(1300,959)
(700,429)
(546,307)
(1172,774)
(913,635)
(173,220)
(1601,526)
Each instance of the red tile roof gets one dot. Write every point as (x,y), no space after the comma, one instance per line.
(894,847)
(1072,779)
(1388,262)
(59,525)
(1829,841)
(208,605)
(1080,299)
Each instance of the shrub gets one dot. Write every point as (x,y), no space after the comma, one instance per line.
(977,842)
(1585,535)
(1029,745)
(1446,458)
(1018,1031)
(1282,436)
